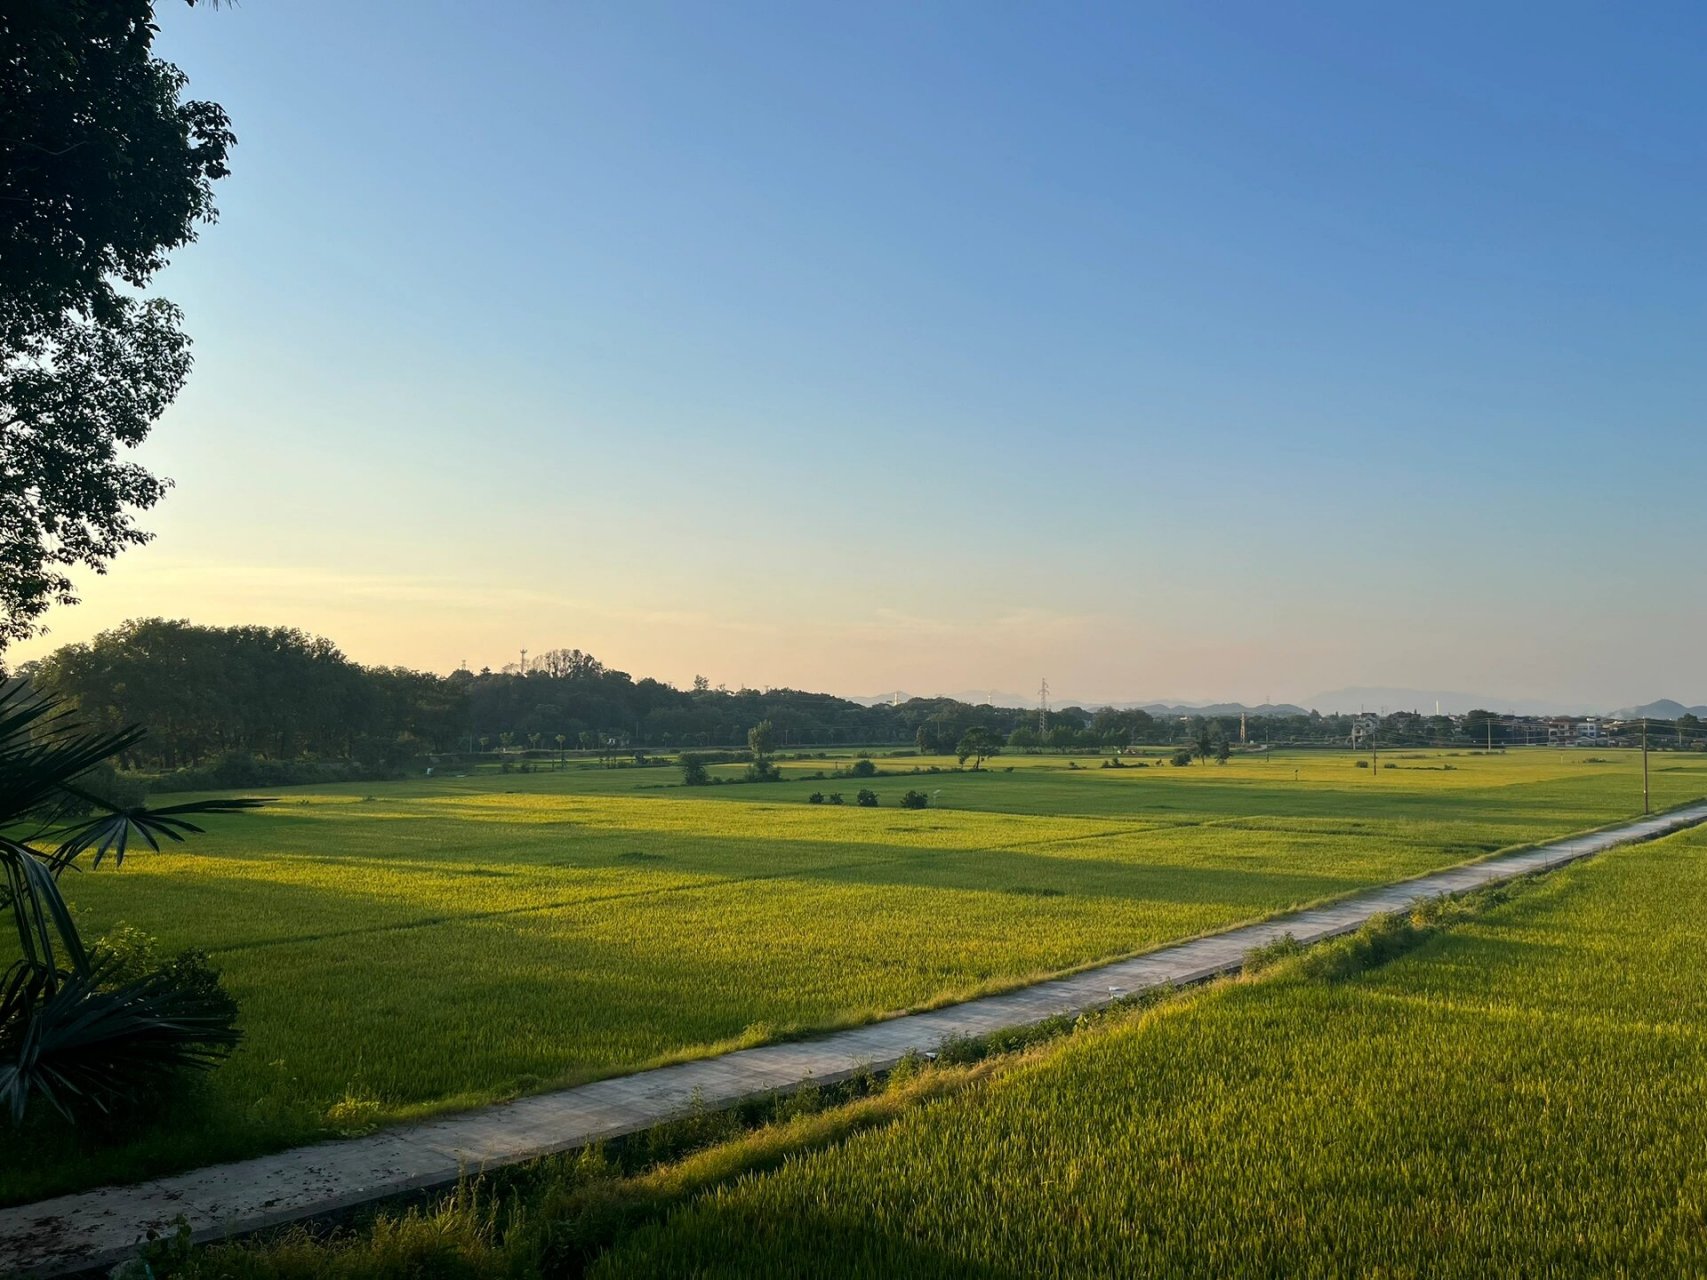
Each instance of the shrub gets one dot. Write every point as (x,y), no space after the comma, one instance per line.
(1272,953)
(835,797)
(761,771)
(915,800)
(105,785)
(1363,764)
(863,768)
(693,770)
(817,797)
(867,798)
(237,769)
(1180,759)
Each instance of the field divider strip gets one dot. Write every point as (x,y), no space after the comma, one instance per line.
(94,1229)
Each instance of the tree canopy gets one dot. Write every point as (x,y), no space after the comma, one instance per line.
(105,169)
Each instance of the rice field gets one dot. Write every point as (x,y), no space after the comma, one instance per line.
(1520,1096)
(404,948)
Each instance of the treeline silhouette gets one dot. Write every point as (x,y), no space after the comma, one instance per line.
(279,694)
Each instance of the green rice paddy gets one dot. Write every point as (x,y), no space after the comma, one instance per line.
(404,948)
(1520,1096)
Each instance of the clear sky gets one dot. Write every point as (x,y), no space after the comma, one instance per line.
(1187,350)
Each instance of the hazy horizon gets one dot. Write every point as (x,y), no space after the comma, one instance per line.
(1210,354)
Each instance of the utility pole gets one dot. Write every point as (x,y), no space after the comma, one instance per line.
(524,662)
(1043,708)
(1645,807)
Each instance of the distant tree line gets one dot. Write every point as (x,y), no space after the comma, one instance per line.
(280,694)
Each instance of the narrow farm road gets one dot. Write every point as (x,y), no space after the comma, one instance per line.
(97,1228)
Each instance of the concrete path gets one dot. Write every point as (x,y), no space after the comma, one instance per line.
(98,1228)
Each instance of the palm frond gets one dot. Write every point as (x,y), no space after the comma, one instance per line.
(44,749)
(70,1032)
(83,1047)
(112,832)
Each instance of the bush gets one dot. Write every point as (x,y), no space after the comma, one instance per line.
(1363,764)
(863,768)
(835,797)
(122,791)
(1180,759)
(867,798)
(817,797)
(693,770)
(915,800)
(1272,953)
(761,771)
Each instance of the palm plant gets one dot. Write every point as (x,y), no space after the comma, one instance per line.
(75,1030)
(1204,745)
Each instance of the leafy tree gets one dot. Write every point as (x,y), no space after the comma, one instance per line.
(977,745)
(1223,751)
(105,170)
(915,800)
(75,1029)
(694,773)
(1204,743)
(761,741)
(864,767)
(1024,738)
(866,799)
(1063,737)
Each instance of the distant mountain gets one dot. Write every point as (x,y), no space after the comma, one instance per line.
(1334,702)
(972,697)
(1664,709)
(1451,703)
(1215,708)
(999,698)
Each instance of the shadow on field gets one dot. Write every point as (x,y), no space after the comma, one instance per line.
(1009,871)
(795,1243)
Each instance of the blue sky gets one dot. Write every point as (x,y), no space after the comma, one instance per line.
(1227,350)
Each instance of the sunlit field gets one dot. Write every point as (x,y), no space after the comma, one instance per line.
(401,948)
(1520,1096)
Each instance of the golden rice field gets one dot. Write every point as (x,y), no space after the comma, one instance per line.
(1520,1096)
(401,948)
